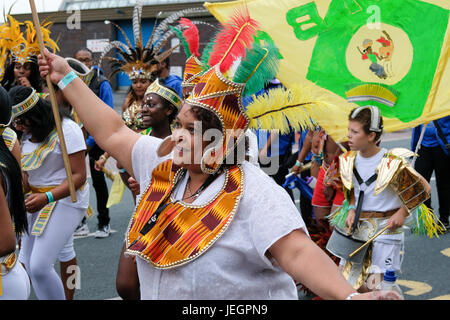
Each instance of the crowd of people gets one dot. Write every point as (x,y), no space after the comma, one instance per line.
(208,222)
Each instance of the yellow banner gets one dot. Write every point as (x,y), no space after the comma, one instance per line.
(416,68)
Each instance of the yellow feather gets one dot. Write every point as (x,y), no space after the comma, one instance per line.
(297,108)
(372,89)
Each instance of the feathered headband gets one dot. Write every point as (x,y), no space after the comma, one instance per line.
(139,61)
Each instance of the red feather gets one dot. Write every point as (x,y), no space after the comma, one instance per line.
(232,41)
(191,36)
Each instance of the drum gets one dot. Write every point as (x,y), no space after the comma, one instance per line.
(342,245)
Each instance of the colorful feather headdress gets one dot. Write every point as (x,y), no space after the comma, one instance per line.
(139,61)
(22,49)
(11,40)
(190,40)
(235,65)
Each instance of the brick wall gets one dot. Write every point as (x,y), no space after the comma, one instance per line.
(72,40)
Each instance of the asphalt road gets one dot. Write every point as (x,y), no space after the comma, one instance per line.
(425,266)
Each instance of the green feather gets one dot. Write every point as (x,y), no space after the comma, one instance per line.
(262,57)
(184,43)
(338,218)
(207,52)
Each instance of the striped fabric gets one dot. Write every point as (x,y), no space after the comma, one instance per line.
(43,218)
(34,160)
(182,232)
(165,93)
(192,72)
(45,213)
(25,105)
(10,138)
(224,97)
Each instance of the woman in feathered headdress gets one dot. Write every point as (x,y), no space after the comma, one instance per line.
(21,52)
(209,225)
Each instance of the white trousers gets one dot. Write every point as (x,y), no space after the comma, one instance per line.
(16,284)
(39,253)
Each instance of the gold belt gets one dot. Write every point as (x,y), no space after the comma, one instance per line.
(377,214)
(8,262)
(36,189)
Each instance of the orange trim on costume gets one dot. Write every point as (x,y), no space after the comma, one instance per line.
(182,232)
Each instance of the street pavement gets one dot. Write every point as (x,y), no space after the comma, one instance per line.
(425,266)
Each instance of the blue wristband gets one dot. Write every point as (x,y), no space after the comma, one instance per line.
(67,80)
(351,207)
(299,164)
(49,197)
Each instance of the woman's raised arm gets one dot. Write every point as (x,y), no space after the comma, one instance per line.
(102,122)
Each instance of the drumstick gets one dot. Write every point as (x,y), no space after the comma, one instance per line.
(305,167)
(368,241)
(54,103)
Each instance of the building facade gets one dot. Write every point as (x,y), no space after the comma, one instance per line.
(81,24)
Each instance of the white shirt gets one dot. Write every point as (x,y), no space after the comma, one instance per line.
(52,170)
(235,267)
(386,200)
(253,151)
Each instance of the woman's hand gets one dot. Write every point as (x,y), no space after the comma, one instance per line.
(134,186)
(23,81)
(296,169)
(54,65)
(100,164)
(350,217)
(35,202)
(397,220)
(378,295)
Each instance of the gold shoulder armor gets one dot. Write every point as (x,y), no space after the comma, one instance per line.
(390,163)
(394,170)
(346,163)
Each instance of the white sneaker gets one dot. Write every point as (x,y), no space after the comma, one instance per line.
(82,230)
(103,232)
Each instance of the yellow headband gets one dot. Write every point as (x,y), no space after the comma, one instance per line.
(25,105)
(165,93)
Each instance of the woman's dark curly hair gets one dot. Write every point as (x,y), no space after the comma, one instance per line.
(40,117)
(35,79)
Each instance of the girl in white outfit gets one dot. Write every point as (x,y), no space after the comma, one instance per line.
(52,216)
